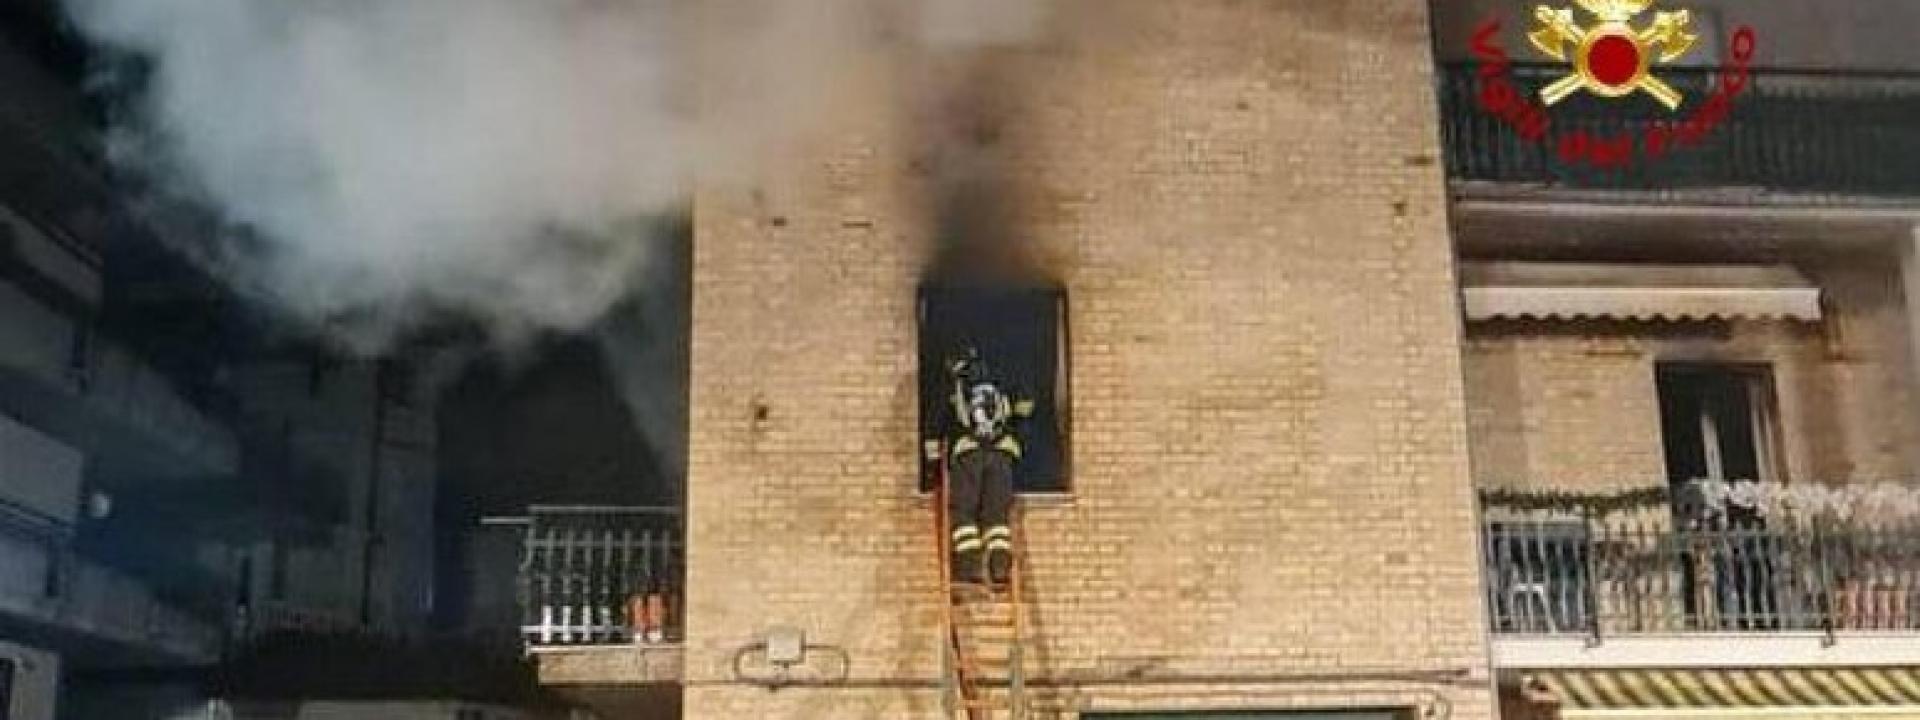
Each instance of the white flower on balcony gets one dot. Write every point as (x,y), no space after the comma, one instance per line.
(1876,504)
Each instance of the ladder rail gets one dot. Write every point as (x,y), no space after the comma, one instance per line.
(1016,671)
(959,674)
(948,663)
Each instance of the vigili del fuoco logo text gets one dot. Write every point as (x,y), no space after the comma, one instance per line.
(1613,51)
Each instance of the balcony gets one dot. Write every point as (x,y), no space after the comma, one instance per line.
(600,592)
(1574,592)
(58,597)
(1796,133)
(129,418)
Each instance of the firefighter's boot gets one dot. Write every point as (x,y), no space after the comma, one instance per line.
(1000,567)
(966,567)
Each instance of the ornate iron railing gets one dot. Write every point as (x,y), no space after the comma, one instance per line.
(1599,578)
(1818,133)
(600,575)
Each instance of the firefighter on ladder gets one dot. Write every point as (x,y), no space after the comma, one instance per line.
(981,449)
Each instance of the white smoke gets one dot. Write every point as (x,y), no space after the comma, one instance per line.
(377,162)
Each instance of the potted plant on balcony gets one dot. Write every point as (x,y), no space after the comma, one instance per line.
(647,613)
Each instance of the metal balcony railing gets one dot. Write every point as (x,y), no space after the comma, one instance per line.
(593,575)
(1598,578)
(1818,133)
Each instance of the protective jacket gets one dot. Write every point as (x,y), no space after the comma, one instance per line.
(980,413)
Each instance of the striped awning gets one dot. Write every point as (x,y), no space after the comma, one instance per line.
(1881,692)
(1636,291)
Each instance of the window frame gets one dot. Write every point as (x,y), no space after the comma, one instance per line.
(1062,486)
(1760,384)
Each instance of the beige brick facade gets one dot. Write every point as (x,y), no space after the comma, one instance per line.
(1271,506)
(1574,406)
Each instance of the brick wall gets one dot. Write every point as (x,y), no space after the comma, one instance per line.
(1573,405)
(1270,504)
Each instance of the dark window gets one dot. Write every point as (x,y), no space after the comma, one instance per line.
(277,577)
(1021,333)
(1716,421)
(316,375)
(243,586)
(80,355)
(394,381)
(7,669)
(55,577)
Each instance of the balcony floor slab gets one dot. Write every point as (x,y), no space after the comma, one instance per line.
(1689,650)
(610,665)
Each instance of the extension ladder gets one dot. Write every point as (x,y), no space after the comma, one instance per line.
(983,630)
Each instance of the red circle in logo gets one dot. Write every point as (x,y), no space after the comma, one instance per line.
(1614,60)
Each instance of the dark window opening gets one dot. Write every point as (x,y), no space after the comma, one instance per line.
(243,585)
(1716,422)
(55,576)
(277,572)
(6,688)
(1021,333)
(316,375)
(80,355)
(394,382)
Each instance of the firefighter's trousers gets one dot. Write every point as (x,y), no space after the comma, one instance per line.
(979,501)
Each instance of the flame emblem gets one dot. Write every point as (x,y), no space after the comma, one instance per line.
(1612,58)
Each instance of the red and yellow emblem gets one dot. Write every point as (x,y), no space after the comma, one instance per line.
(1612,58)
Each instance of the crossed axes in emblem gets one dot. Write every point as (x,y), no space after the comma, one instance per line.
(1668,32)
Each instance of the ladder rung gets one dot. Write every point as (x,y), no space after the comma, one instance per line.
(985,608)
(999,611)
(986,623)
(964,596)
(990,632)
(1001,646)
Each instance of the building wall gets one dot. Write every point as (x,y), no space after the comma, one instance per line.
(36,682)
(1270,499)
(38,474)
(34,339)
(1573,405)
(422,710)
(55,345)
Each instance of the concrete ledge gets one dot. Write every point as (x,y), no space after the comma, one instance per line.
(611,665)
(1796,649)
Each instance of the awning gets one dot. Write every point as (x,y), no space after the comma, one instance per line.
(1567,291)
(1844,691)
